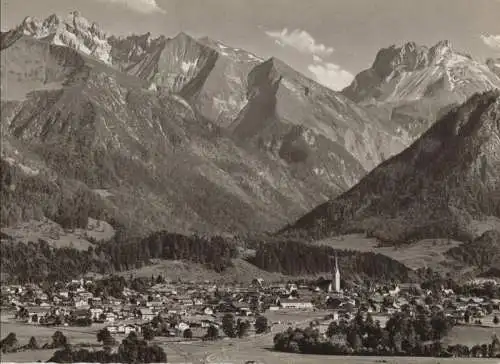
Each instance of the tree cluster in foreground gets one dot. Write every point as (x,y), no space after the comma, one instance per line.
(404,335)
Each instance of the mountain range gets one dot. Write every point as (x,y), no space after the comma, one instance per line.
(182,133)
(190,134)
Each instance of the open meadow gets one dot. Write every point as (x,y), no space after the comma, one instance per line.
(471,335)
(429,252)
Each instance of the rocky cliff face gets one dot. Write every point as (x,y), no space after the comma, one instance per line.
(438,187)
(494,65)
(414,85)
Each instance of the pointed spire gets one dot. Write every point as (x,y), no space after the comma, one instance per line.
(336,263)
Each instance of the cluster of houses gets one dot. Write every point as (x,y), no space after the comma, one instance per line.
(203,304)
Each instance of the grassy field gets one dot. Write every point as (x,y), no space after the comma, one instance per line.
(242,271)
(425,253)
(58,237)
(76,335)
(471,335)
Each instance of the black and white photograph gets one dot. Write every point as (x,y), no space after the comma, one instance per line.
(250,181)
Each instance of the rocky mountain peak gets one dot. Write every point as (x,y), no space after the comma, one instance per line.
(72,30)
(227,51)
(418,83)
(184,37)
(54,23)
(410,57)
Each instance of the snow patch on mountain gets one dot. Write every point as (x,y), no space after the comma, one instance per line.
(26,169)
(186,66)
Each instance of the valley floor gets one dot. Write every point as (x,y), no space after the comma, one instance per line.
(236,351)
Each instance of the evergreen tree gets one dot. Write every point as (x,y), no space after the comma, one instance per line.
(105,337)
(261,324)
(33,344)
(187,334)
(212,333)
(242,327)
(59,340)
(228,325)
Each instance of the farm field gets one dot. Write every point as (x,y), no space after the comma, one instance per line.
(43,334)
(471,335)
(27,356)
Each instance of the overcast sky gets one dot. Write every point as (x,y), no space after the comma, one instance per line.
(327,39)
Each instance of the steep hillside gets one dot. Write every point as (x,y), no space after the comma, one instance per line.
(436,188)
(310,127)
(415,84)
(160,164)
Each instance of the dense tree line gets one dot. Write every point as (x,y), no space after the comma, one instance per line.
(298,258)
(38,261)
(483,252)
(404,335)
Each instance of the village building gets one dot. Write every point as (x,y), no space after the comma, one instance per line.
(146,314)
(289,303)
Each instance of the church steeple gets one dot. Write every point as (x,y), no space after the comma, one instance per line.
(337,275)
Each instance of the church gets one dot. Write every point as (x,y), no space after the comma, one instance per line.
(334,285)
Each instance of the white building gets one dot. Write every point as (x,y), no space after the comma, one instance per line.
(335,285)
(296,304)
